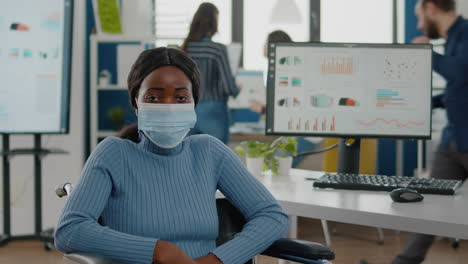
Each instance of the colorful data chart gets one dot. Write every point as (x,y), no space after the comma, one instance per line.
(14,53)
(338,65)
(290,60)
(289,102)
(19,27)
(389,97)
(321,101)
(391,122)
(314,124)
(296,82)
(283,81)
(399,71)
(345,101)
(52,22)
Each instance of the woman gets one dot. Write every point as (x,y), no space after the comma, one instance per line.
(217,82)
(275,36)
(155,193)
(303,144)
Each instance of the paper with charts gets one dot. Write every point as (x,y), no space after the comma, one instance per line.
(252,88)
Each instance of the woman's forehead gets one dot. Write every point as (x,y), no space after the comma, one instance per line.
(167,76)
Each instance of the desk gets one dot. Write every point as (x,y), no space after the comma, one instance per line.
(436,214)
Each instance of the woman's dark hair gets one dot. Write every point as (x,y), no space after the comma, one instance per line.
(279,36)
(129,132)
(149,61)
(204,22)
(445,5)
(152,59)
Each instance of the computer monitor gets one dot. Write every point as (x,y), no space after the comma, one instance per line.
(35,66)
(349,90)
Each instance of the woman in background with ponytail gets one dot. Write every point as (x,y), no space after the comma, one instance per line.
(217,82)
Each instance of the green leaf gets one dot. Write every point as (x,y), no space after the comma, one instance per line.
(240,150)
(274,166)
(252,149)
(290,148)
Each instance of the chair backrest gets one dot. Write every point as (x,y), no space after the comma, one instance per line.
(230,221)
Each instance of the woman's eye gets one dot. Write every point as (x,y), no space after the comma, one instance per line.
(182,99)
(151,98)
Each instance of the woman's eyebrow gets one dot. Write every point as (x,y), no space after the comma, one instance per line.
(156,88)
(181,88)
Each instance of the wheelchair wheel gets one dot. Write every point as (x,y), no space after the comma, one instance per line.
(48,246)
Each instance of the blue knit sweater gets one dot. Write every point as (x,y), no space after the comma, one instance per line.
(145,193)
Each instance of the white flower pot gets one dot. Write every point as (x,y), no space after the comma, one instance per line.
(254,166)
(285,164)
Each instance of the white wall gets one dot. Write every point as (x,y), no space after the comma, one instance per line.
(56,168)
(462,7)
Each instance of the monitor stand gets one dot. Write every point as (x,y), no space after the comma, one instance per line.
(348,156)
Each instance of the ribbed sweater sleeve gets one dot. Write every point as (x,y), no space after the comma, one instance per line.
(78,229)
(266,220)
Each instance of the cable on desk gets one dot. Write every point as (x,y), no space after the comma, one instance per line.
(317,151)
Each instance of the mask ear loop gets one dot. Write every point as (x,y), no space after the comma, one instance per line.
(136,109)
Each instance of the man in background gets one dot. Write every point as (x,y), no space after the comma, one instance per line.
(438,19)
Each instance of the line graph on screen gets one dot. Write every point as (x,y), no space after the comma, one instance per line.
(392,122)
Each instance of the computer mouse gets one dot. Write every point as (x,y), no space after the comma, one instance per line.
(405,195)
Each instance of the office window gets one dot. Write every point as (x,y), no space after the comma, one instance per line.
(263,16)
(356,21)
(173,17)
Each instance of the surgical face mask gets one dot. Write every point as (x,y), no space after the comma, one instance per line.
(166,125)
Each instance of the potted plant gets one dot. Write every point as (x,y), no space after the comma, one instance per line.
(280,160)
(276,156)
(255,153)
(117,117)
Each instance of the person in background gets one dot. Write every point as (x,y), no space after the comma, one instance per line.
(155,189)
(256,106)
(438,19)
(275,36)
(217,82)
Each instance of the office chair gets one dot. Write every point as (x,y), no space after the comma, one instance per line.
(231,222)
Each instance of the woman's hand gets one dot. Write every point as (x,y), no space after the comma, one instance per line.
(420,40)
(208,259)
(238,83)
(257,107)
(168,253)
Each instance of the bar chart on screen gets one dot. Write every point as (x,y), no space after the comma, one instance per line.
(390,97)
(338,65)
(317,124)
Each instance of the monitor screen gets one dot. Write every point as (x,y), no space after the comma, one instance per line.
(349,90)
(35,63)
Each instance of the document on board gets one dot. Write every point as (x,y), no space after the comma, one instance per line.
(126,56)
(234,51)
(253,88)
(107,14)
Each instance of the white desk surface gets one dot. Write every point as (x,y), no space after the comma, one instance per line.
(443,215)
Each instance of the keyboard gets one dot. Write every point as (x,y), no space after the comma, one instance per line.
(386,183)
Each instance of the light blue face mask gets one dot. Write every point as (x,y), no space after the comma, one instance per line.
(166,125)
